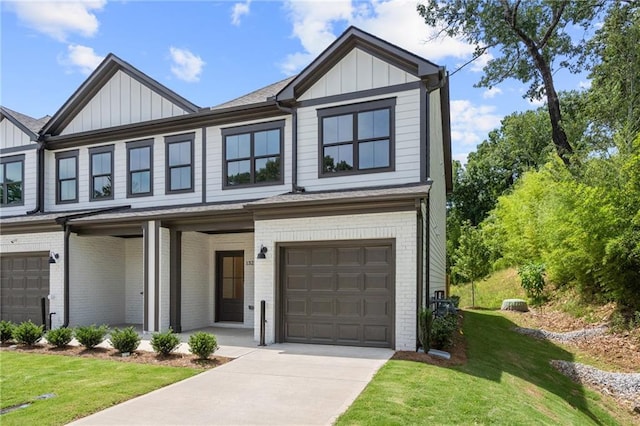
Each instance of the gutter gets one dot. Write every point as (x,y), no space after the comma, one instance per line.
(40,177)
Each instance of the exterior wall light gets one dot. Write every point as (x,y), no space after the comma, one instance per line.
(263,252)
(53,256)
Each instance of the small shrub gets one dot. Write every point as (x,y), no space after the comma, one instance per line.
(164,343)
(442,330)
(6,331)
(455,299)
(125,340)
(91,335)
(27,333)
(60,337)
(425,321)
(202,344)
(532,277)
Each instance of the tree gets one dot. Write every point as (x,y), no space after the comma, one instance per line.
(471,259)
(530,38)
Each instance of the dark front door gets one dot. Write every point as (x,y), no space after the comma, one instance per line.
(230,286)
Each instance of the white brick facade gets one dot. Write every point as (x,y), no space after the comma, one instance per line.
(400,226)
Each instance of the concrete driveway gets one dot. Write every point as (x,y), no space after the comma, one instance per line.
(284,384)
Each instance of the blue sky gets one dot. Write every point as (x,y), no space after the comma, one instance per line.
(213,51)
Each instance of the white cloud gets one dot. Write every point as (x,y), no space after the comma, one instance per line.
(584,84)
(186,66)
(491,93)
(471,123)
(59,19)
(394,20)
(537,102)
(239,9)
(461,157)
(83,58)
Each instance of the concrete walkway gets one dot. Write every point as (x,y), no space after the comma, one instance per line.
(283,384)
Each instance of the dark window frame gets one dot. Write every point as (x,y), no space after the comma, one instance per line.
(61,156)
(252,129)
(3,161)
(146,143)
(354,110)
(168,141)
(105,149)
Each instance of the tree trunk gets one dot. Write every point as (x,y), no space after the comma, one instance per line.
(473,295)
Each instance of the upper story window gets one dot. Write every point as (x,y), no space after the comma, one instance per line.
(140,168)
(67,177)
(101,172)
(11,180)
(357,138)
(179,171)
(253,154)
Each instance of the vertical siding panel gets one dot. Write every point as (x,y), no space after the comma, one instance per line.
(156,105)
(348,73)
(115,100)
(333,81)
(396,75)
(380,71)
(125,98)
(145,103)
(136,104)
(105,105)
(166,108)
(364,70)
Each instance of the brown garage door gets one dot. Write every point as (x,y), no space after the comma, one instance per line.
(339,294)
(24,281)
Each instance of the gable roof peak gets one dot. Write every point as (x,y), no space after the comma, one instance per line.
(109,66)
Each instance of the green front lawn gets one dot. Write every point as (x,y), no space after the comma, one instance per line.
(506,380)
(82,386)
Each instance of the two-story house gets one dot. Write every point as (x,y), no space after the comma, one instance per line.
(322,195)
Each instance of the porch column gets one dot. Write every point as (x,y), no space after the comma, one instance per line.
(175,284)
(156,276)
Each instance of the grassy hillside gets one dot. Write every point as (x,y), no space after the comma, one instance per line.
(492,291)
(506,380)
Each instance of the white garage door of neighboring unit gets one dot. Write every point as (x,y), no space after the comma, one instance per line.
(24,281)
(340,295)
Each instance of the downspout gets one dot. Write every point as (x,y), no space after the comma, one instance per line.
(67,234)
(40,177)
(294,145)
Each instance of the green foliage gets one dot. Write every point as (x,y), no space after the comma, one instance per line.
(425,321)
(471,259)
(6,331)
(455,299)
(91,335)
(27,333)
(202,344)
(442,330)
(164,343)
(532,281)
(59,337)
(125,340)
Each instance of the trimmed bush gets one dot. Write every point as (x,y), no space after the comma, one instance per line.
(27,333)
(91,335)
(164,343)
(60,337)
(455,299)
(6,331)
(125,340)
(442,330)
(202,344)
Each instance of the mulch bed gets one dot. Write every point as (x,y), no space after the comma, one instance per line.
(141,357)
(458,351)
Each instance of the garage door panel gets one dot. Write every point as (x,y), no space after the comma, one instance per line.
(348,307)
(375,281)
(349,281)
(296,282)
(377,255)
(321,281)
(349,293)
(349,256)
(321,307)
(323,257)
